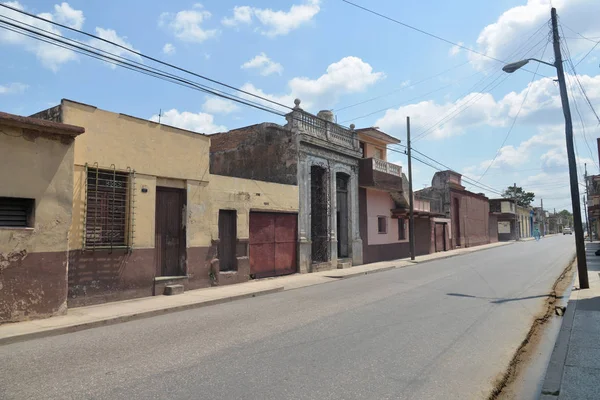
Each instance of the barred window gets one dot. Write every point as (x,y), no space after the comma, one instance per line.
(108,220)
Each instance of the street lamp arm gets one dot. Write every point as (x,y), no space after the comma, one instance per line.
(543,62)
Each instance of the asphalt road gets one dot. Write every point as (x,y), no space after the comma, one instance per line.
(441,330)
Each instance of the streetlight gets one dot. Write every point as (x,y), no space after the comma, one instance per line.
(512,67)
(558,64)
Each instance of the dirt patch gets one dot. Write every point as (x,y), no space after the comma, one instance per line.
(502,388)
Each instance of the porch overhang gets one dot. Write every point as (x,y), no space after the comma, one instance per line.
(404,213)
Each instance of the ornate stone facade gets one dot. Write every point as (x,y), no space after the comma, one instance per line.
(335,149)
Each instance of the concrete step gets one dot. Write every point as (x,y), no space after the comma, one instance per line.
(321,266)
(344,264)
(171,290)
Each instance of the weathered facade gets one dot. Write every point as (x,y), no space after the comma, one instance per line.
(321,158)
(384,206)
(506,219)
(468,211)
(36,195)
(147,212)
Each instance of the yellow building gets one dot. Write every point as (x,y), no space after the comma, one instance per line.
(524,218)
(148,213)
(36,190)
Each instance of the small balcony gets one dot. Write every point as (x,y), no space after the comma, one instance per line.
(380,174)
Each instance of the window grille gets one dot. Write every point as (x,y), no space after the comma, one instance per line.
(16,212)
(109,206)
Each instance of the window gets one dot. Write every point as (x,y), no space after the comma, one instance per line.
(378,153)
(382,224)
(16,212)
(401,229)
(108,221)
(362,149)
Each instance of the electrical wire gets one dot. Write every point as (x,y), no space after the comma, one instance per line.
(461,107)
(7,6)
(401,89)
(426,33)
(514,119)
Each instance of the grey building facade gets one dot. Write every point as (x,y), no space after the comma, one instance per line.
(319,156)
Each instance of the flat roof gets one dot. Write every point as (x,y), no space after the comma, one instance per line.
(40,125)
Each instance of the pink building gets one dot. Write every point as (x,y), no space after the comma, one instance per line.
(384,206)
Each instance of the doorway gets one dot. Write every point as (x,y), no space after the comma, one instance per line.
(342,214)
(457,220)
(169,241)
(227,239)
(319,206)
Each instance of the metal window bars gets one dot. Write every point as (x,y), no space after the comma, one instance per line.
(109,208)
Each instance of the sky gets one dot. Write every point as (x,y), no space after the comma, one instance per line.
(495,128)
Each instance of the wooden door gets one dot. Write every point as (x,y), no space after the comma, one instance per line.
(440,237)
(170,232)
(227,240)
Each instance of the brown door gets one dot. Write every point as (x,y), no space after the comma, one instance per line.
(440,237)
(170,232)
(227,239)
(457,221)
(272,244)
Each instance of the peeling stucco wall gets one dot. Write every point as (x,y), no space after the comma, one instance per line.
(33,260)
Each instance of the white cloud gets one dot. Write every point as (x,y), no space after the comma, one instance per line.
(66,15)
(51,57)
(13,88)
(168,49)
(275,23)
(217,105)
(502,38)
(264,64)
(454,50)
(197,122)
(241,15)
(349,75)
(541,108)
(112,36)
(187,24)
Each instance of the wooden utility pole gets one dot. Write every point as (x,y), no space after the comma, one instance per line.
(579,243)
(411,217)
(517,233)
(542,219)
(587,193)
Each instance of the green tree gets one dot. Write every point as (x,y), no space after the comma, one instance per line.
(524,199)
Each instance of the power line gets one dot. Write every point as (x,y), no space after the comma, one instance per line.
(140,54)
(401,89)
(426,33)
(514,119)
(460,108)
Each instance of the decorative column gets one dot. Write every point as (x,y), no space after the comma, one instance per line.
(304,215)
(357,247)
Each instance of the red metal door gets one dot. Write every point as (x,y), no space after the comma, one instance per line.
(169,232)
(272,244)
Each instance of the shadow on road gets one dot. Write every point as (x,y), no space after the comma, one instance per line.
(497,300)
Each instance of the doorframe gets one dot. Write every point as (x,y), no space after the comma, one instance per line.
(182,243)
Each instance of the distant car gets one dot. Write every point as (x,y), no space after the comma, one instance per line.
(567,231)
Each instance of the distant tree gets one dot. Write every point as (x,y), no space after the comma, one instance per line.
(524,199)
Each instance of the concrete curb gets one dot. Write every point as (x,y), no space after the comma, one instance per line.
(552,381)
(131,317)
(355,274)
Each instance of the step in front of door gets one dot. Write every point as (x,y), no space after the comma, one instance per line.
(161,282)
(171,290)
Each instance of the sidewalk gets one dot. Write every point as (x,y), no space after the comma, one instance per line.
(574,368)
(89,317)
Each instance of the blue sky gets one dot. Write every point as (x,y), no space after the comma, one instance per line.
(333,55)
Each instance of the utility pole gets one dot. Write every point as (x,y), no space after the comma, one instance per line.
(587,193)
(579,244)
(411,220)
(516,215)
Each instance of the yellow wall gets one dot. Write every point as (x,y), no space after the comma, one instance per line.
(40,168)
(371,144)
(507,207)
(164,156)
(147,147)
(245,195)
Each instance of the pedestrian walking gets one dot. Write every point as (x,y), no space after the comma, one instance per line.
(536,234)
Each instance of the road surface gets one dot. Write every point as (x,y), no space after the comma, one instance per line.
(441,330)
